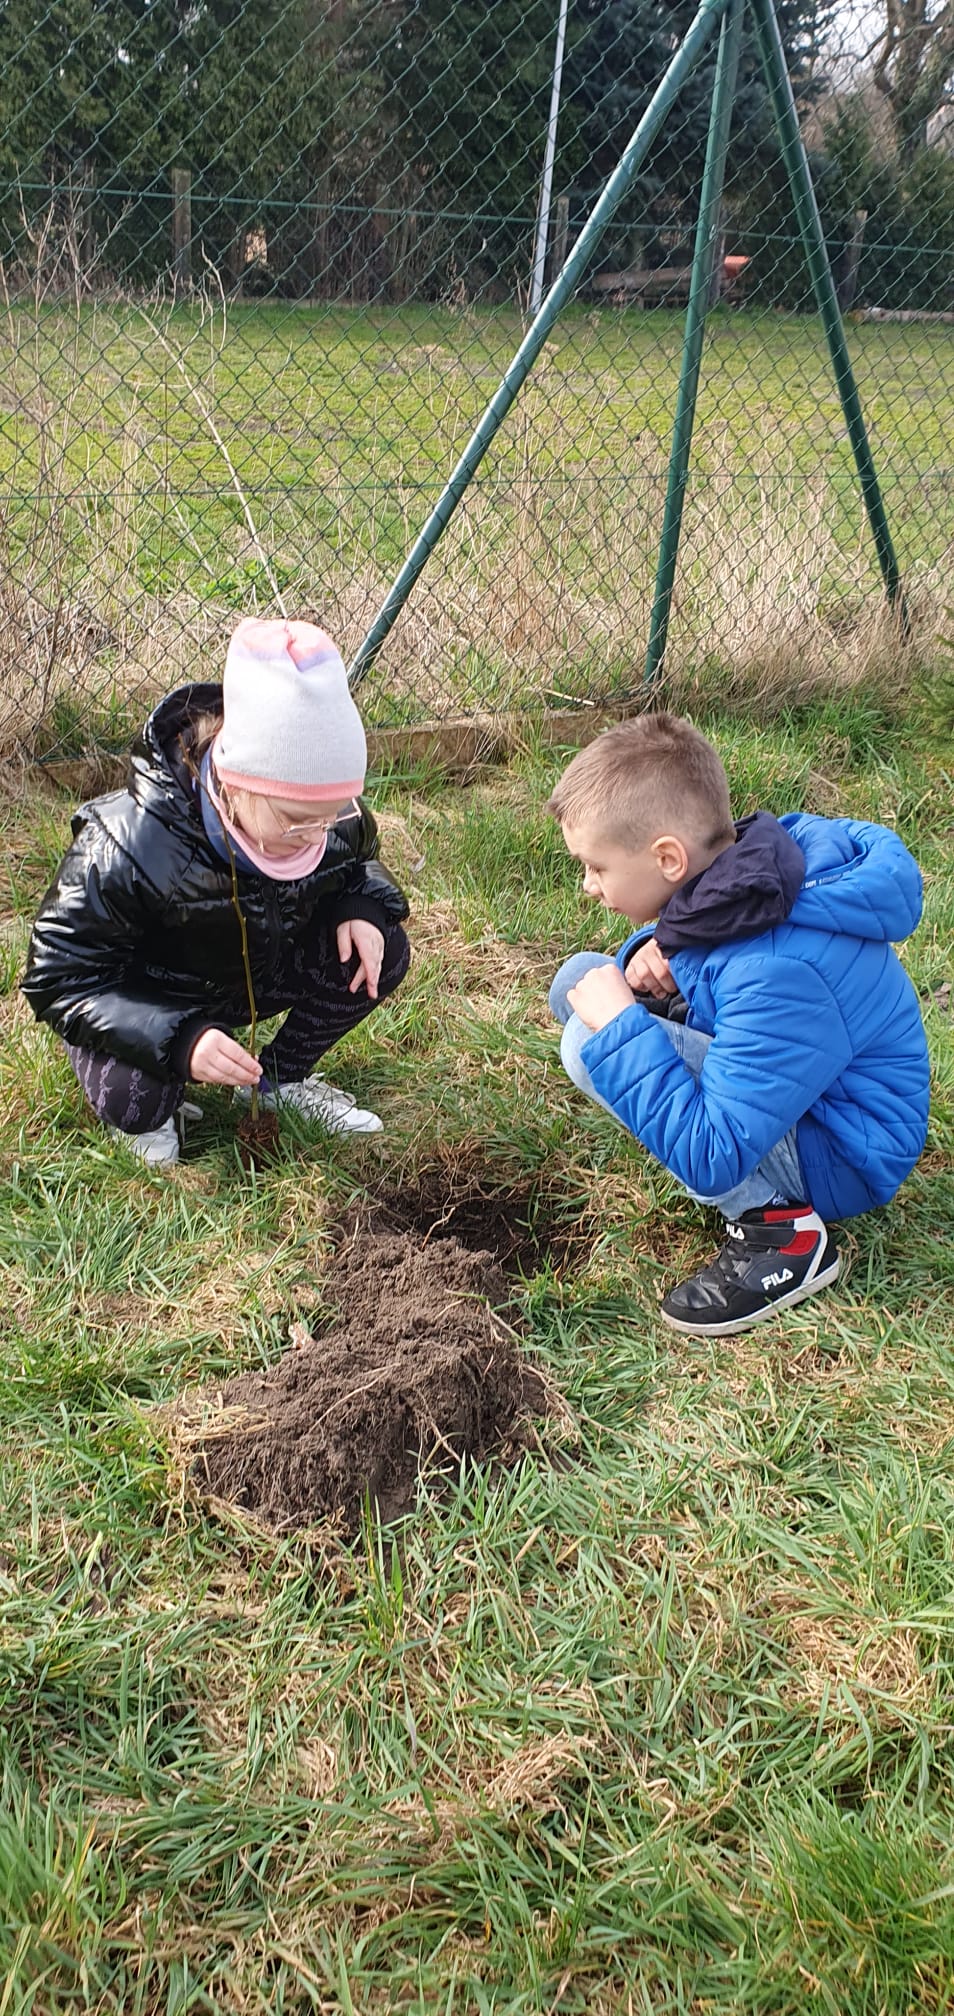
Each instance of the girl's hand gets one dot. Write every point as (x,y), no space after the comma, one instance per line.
(356,937)
(216,1059)
(648,972)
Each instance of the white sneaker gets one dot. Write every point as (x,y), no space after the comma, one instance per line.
(317,1100)
(159,1146)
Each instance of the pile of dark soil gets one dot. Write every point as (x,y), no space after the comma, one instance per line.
(417,1369)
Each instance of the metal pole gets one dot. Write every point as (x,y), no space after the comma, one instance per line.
(708,227)
(683,63)
(546,180)
(816,251)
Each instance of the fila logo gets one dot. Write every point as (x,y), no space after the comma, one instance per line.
(777,1280)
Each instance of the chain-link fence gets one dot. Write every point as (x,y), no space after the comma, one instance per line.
(263,267)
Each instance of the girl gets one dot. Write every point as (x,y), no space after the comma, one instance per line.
(136,955)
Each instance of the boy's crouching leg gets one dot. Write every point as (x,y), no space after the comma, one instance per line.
(569,975)
(575,1032)
(771,1259)
(575,1035)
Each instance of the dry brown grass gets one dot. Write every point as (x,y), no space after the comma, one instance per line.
(501,635)
(771,611)
(841,1655)
(86,646)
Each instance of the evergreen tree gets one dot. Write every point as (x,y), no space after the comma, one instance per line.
(125,90)
(386,146)
(615,65)
(468,91)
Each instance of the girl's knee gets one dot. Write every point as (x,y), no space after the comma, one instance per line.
(123,1096)
(397,959)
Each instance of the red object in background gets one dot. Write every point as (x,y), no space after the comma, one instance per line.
(733,265)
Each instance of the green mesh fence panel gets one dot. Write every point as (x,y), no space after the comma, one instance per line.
(262,268)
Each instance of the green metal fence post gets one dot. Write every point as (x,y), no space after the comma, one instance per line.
(816,251)
(700,287)
(683,63)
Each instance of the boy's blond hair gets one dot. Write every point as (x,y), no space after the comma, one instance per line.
(653,775)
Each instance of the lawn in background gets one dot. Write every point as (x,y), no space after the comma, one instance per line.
(165,469)
(659,1720)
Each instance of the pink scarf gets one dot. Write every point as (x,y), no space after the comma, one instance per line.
(288,868)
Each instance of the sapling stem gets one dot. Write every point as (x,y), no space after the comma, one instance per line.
(246,962)
(198,778)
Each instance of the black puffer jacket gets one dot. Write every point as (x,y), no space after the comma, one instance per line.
(137,946)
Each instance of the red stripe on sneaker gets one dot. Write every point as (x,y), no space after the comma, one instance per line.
(802,1243)
(787,1212)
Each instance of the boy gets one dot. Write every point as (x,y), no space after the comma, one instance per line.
(795,1089)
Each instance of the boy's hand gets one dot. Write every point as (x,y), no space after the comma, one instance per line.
(647,972)
(216,1059)
(356,935)
(600,996)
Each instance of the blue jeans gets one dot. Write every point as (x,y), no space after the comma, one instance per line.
(778,1175)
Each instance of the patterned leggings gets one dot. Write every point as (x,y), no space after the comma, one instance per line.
(315,991)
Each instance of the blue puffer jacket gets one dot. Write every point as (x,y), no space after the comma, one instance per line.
(814,1023)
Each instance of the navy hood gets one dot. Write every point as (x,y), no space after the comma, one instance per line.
(747,889)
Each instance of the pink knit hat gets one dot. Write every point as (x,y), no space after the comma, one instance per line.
(291,728)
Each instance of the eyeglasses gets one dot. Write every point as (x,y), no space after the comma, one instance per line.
(287,829)
(293,829)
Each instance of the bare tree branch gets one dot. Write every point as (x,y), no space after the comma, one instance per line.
(914,66)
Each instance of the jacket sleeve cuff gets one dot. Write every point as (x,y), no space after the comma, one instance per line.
(348,908)
(621,1030)
(185,1041)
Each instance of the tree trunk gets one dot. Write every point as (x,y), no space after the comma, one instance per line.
(181,181)
(848,284)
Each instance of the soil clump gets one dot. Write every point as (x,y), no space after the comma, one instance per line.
(417,1368)
(258,1138)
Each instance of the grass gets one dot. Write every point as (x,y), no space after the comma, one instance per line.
(656,1722)
(127,549)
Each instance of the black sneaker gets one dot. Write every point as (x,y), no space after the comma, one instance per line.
(770,1260)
